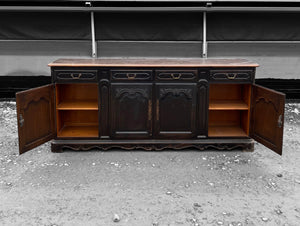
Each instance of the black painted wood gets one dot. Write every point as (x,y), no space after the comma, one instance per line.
(131,110)
(175,110)
(152,144)
(202,108)
(9,85)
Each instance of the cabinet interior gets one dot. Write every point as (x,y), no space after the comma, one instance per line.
(77,110)
(229,110)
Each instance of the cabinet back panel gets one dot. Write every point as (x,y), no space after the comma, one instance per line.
(76,92)
(230,92)
(224,118)
(79,118)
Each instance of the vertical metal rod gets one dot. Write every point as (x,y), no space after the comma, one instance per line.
(204,42)
(94,44)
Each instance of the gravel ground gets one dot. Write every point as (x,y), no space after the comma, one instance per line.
(149,188)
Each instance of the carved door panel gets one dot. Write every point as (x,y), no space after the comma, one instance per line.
(267,117)
(35,113)
(175,110)
(131,110)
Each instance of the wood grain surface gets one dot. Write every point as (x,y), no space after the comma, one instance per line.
(153,62)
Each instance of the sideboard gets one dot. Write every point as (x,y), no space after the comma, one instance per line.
(151,104)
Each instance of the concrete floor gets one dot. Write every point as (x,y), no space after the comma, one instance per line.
(149,188)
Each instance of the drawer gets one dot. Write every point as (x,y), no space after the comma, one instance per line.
(188,75)
(118,75)
(75,75)
(231,75)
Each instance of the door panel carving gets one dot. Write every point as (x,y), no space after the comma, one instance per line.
(131,110)
(175,110)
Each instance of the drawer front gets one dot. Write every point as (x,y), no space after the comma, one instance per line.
(75,75)
(231,75)
(118,75)
(187,75)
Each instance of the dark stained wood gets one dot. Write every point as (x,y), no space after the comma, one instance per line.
(229,76)
(267,117)
(202,106)
(244,144)
(74,76)
(35,114)
(104,88)
(137,75)
(175,110)
(131,110)
(152,62)
(180,75)
(118,103)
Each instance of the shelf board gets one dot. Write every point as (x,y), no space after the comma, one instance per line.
(78,130)
(78,105)
(227,105)
(226,131)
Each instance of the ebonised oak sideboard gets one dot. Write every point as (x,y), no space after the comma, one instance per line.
(151,104)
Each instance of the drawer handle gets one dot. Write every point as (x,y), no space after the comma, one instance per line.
(149,110)
(131,75)
(76,77)
(231,76)
(178,76)
(279,122)
(21,120)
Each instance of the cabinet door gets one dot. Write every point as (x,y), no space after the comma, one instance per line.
(267,117)
(175,110)
(131,110)
(35,113)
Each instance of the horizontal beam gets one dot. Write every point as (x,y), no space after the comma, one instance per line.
(146,9)
(153,41)
(254,42)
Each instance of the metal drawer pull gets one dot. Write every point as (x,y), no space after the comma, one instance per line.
(76,77)
(131,75)
(231,76)
(21,120)
(178,76)
(279,121)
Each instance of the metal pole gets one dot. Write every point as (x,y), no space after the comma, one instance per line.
(94,44)
(204,43)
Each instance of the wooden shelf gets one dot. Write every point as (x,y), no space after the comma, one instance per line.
(79,130)
(226,131)
(78,105)
(227,105)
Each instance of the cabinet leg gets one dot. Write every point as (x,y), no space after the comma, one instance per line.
(56,148)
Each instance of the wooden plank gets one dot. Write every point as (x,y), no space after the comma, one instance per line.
(35,113)
(153,62)
(78,105)
(227,105)
(77,130)
(226,131)
(267,117)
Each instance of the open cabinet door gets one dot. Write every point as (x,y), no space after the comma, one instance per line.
(267,117)
(35,113)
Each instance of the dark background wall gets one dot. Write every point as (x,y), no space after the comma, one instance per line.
(29,41)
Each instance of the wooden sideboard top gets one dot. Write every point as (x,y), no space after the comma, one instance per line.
(152,62)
